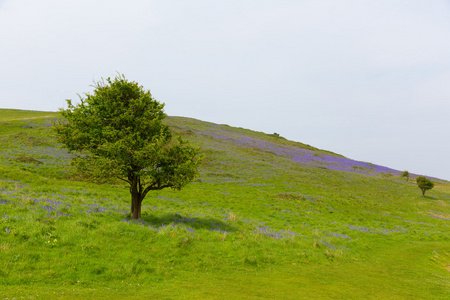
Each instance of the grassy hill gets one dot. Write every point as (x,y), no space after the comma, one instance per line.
(267,219)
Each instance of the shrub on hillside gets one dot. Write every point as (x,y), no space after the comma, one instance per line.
(405,175)
(424,184)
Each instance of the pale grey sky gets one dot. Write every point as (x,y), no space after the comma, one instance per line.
(366,79)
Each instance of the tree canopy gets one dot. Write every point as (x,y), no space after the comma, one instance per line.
(405,175)
(424,184)
(117,131)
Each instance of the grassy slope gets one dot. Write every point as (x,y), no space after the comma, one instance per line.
(18,114)
(269,218)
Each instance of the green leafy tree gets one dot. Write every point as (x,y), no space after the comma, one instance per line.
(405,175)
(117,132)
(424,184)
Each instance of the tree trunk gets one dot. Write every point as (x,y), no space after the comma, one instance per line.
(136,199)
(135,206)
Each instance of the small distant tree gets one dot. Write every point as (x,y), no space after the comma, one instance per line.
(424,184)
(117,132)
(405,175)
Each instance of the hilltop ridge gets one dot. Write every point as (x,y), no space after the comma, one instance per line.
(273,145)
(263,143)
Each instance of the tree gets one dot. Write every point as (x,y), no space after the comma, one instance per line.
(424,184)
(117,132)
(405,174)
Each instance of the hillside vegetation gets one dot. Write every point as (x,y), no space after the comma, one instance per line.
(267,219)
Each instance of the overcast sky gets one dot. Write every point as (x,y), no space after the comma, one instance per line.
(366,79)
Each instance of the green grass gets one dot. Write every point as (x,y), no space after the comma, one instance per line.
(255,225)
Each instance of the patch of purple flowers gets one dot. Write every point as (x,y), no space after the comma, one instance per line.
(360,228)
(300,155)
(267,231)
(331,246)
(47,208)
(339,235)
(385,231)
(439,217)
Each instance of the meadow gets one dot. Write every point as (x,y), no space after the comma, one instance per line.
(268,218)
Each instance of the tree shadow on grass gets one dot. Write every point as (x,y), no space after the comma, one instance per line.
(193,223)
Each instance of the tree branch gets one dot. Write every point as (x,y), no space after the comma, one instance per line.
(127,181)
(154,187)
